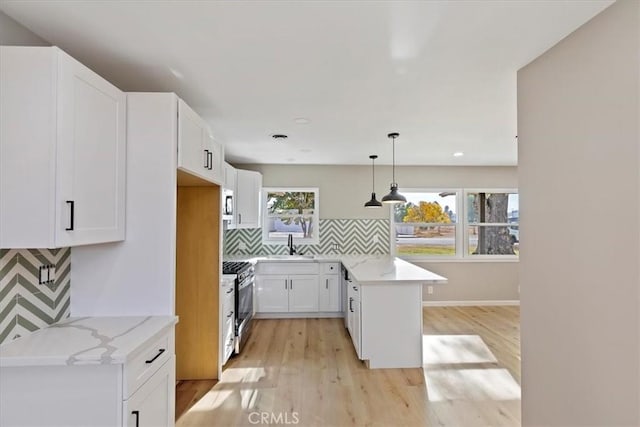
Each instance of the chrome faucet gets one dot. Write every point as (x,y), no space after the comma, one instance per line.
(292,250)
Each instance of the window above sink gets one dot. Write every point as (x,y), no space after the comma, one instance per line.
(290,211)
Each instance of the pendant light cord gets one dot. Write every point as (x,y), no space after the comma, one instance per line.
(394,160)
(373,174)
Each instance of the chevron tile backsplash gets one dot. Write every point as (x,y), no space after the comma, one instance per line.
(353,236)
(26,306)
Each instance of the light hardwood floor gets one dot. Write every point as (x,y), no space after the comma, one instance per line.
(304,372)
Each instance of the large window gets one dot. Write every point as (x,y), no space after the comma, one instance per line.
(492,219)
(290,211)
(426,224)
(457,224)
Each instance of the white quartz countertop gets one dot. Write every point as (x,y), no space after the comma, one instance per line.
(385,268)
(84,341)
(363,268)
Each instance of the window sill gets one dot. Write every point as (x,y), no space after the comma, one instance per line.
(458,260)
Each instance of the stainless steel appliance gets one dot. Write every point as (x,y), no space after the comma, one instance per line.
(227,205)
(244,272)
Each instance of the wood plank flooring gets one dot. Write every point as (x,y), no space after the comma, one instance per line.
(305,372)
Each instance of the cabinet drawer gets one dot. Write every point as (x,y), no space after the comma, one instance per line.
(148,361)
(228,337)
(288,268)
(330,267)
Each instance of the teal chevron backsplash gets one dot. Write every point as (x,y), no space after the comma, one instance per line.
(353,236)
(26,306)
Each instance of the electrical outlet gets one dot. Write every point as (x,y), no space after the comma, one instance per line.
(336,247)
(242,246)
(43,274)
(46,274)
(430,290)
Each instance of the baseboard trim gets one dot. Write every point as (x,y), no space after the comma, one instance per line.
(481,303)
(298,315)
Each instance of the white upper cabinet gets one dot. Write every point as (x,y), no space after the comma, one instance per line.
(62,151)
(229,177)
(248,191)
(198,152)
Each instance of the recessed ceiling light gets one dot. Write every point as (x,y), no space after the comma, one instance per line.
(458,154)
(279,136)
(305,150)
(291,159)
(301,121)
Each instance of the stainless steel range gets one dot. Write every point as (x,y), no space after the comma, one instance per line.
(244,272)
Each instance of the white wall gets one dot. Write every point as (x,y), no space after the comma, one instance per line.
(14,34)
(578,119)
(345,189)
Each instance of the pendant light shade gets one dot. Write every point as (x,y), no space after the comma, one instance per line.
(394,196)
(373,203)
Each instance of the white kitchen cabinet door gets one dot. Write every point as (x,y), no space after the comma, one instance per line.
(249,189)
(229,177)
(303,293)
(353,315)
(215,168)
(62,151)
(198,152)
(153,404)
(193,155)
(272,294)
(91,156)
(329,292)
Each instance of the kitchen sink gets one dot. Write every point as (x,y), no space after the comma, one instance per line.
(290,257)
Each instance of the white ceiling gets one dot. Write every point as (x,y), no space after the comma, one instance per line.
(442,73)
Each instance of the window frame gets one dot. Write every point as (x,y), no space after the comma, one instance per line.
(466,253)
(314,240)
(458,238)
(461,226)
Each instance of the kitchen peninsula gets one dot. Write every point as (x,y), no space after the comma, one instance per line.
(381,300)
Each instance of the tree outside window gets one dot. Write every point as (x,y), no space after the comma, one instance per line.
(457,224)
(290,211)
(493,223)
(426,224)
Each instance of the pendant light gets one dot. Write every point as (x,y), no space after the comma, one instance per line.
(373,203)
(394,196)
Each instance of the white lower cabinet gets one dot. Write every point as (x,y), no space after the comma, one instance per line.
(227,318)
(329,288)
(287,293)
(287,287)
(354,324)
(298,287)
(151,405)
(82,391)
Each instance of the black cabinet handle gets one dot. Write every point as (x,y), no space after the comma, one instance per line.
(327,285)
(230,314)
(72,206)
(137,414)
(210,160)
(156,356)
(230,290)
(355,289)
(206,159)
(239,218)
(291,284)
(285,283)
(350,306)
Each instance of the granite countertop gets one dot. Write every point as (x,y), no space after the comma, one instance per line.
(84,341)
(363,268)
